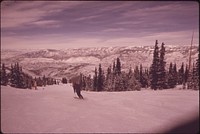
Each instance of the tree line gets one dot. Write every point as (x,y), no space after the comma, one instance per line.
(160,78)
(17,78)
(156,77)
(112,80)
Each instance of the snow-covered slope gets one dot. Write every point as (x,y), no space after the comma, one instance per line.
(54,110)
(69,62)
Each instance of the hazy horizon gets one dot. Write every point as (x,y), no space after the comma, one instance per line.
(74,24)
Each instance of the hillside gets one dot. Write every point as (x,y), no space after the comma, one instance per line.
(70,62)
(54,110)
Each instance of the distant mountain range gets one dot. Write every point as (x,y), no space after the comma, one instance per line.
(70,62)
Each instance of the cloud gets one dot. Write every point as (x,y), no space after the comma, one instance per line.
(86,18)
(16,14)
(169,38)
(113,30)
(161,8)
(74,23)
(47,23)
(115,6)
(60,41)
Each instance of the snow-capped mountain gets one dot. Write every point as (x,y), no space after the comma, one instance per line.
(70,62)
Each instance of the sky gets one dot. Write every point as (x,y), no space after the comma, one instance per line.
(74,24)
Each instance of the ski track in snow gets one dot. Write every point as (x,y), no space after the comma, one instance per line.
(54,110)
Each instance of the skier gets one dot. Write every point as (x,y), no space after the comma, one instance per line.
(77,89)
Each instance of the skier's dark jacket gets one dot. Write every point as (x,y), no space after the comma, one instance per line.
(77,89)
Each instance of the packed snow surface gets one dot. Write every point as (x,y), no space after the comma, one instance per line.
(53,109)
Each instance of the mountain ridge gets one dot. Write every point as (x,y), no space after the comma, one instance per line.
(69,62)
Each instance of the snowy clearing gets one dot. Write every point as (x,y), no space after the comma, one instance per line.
(54,110)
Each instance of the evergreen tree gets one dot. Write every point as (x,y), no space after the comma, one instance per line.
(84,82)
(132,83)
(4,77)
(162,84)
(146,78)
(181,74)
(194,86)
(137,73)
(186,74)
(118,66)
(14,76)
(89,83)
(170,77)
(64,80)
(28,81)
(13,82)
(130,72)
(45,80)
(196,74)
(114,71)
(17,77)
(154,68)
(189,82)
(95,78)
(141,77)
(100,79)
(118,83)
(108,72)
(108,81)
(174,75)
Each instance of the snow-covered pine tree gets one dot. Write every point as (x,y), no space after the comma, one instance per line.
(154,68)
(4,77)
(162,82)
